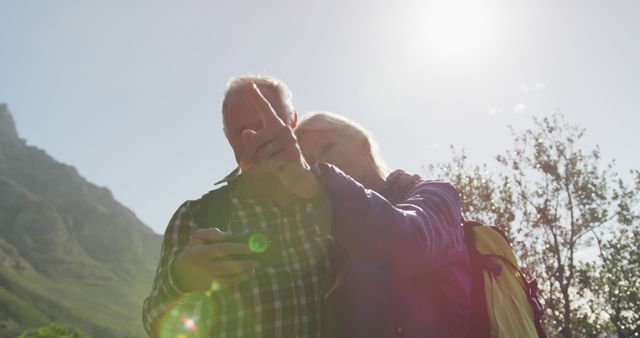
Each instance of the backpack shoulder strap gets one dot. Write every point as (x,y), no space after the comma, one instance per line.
(479,323)
(483,261)
(213,209)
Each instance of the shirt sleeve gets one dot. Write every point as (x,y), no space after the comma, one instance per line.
(168,311)
(416,235)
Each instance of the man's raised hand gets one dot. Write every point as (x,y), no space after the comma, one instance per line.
(276,148)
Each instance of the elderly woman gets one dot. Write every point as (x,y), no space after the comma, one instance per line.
(407,271)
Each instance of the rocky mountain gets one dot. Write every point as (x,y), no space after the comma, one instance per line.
(69,252)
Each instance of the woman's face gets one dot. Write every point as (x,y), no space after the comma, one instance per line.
(351,156)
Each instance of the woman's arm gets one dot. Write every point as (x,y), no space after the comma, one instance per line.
(417,235)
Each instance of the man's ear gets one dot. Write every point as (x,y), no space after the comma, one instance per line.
(294,120)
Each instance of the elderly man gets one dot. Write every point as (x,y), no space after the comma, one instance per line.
(263,267)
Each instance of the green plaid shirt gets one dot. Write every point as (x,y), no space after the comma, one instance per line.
(286,296)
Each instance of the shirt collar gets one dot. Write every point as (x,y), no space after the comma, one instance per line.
(249,184)
(230,177)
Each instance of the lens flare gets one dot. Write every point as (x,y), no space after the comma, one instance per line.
(197,314)
(215,286)
(258,243)
(189,324)
(179,319)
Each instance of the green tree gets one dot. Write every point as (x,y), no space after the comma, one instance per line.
(572,220)
(486,196)
(611,285)
(562,196)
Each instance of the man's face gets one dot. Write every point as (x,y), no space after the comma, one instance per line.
(241,115)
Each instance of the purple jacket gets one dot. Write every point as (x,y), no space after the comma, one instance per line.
(408,271)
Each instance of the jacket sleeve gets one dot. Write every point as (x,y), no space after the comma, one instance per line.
(417,235)
(168,310)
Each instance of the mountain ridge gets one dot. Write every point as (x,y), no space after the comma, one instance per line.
(68,250)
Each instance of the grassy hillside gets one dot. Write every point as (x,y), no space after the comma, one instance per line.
(106,308)
(69,252)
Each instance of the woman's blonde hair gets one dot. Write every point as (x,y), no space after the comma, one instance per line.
(337,125)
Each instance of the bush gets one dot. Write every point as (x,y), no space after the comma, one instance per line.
(53,330)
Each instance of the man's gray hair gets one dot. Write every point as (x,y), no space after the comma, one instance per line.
(264,83)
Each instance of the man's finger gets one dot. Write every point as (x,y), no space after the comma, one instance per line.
(231,280)
(265,110)
(209,235)
(281,142)
(230,267)
(255,141)
(194,242)
(246,159)
(247,135)
(220,250)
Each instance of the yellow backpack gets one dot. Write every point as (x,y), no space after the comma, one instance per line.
(504,302)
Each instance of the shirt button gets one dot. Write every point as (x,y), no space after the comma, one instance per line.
(399,332)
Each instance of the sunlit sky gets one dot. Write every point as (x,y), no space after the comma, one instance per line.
(129,92)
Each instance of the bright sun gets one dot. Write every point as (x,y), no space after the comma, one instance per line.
(455,29)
